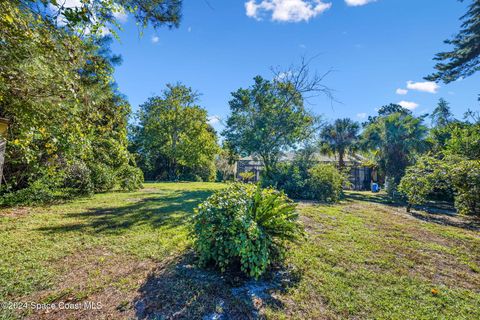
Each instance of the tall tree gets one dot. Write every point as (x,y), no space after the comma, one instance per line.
(341,137)
(464,58)
(395,138)
(270,117)
(57,92)
(173,137)
(442,115)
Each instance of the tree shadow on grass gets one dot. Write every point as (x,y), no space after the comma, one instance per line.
(181,290)
(169,210)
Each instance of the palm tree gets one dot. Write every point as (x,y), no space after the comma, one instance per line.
(341,137)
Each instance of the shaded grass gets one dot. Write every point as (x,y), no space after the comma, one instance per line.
(148,224)
(363,258)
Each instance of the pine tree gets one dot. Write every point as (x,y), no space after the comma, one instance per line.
(464,59)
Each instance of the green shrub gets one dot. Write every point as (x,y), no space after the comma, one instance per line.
(465,176)
(451,173)
(78,179)
(130,178)
(247,176)
(325,183)
(244,225)
(305,180)
(41,191)
(103,177)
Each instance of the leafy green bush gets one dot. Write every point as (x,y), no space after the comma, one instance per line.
(244,225)
(130,178)
(326,183)
(247,176)
(465,177)
(41,191)
(451,173)
(103,177)
(78,179)
(309,181)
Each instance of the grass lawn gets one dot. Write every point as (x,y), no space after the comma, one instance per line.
(126,255)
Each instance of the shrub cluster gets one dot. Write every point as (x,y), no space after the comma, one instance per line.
(430,174)
(78,179)
(309,181)
(244,225)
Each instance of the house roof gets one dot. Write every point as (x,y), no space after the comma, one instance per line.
(289,156)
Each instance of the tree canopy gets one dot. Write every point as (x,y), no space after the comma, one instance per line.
(464,58)
(267,119)
(341,137)
(173,139)
(395,138)
(67,120)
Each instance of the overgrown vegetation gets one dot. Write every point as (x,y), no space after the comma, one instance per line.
(173,140)
(453,169)
(68,122)
(305,178)
(246,226)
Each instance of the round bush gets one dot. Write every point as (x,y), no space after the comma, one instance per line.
(244,225)
(325,183)
(130,178)
(103,177)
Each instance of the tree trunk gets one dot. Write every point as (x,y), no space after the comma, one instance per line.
(341,162)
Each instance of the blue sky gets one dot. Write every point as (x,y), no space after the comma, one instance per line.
(374,48)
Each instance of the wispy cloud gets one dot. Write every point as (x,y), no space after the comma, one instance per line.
(286,10)
(212,120)
(427,86)
(408,104)
(401,91)
(120,14)
(155,39)
(356,3)
(362,115)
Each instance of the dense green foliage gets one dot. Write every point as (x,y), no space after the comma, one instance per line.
(464,59)
(173,139)
(395,136)
(454,168)
(244,225)
(266,119)
(326,183)
(66,115)
(441,115)
(304,178)
(341,137)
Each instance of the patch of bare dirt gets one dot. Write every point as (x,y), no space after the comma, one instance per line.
(15,212)
(94,284)
(99,284)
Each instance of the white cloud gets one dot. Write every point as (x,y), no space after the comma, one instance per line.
(427,86)
(155,39)
(401,91)
(362,115)
(189,29)
(408,105)
(286,10)
(356,3)
(212,120)
(120,14)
